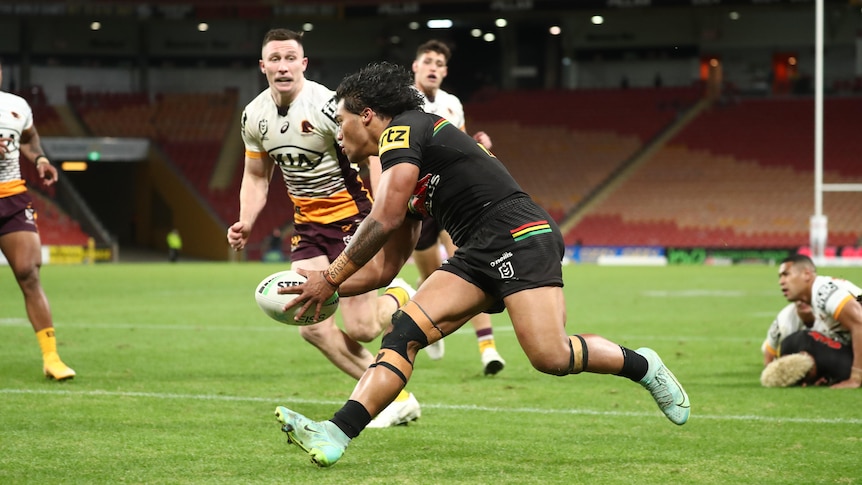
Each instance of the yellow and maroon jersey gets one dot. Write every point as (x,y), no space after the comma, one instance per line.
(301,140)
(15,118)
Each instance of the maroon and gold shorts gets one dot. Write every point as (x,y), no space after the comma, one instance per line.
(17,214)
(310,240)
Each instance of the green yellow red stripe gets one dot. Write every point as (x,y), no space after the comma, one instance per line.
(440,124)
(530,229)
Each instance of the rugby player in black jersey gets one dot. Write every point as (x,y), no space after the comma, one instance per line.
(509,256)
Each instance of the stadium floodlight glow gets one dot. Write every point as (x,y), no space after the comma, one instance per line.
(439,24)
(489,37)
(555,30)
(203,27)
(413,25)
(501,23)
(395,40)
(307,27)
(733,15)
(597,20)
(476,33)
(95,25)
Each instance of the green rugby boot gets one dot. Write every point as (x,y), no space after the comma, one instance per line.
(322,440)
(665,389)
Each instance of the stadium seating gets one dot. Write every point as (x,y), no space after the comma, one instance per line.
(191,129)
(729,179)
(56,228)
(740,175)
(560,145)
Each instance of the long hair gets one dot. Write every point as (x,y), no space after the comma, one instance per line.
(787,370)
(384,87)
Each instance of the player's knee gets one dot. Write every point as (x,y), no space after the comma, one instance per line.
(27,275)
(572,360)
(364,330)
(404,334)
(316,335)
(553,365)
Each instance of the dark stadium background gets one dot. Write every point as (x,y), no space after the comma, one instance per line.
(676,128)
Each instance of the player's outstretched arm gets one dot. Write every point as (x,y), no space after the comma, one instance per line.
(252,198)
(380,247)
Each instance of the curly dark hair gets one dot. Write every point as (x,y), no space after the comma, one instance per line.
(384,87)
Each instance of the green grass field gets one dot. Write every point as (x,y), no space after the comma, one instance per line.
(179,373)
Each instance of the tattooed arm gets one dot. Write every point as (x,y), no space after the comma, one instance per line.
(378,250)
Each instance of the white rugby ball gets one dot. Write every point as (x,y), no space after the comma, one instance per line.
(271,302)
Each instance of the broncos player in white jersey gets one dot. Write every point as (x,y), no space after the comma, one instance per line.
(430,68)
(834,302)
(792,318)
(291,126)
(19,234)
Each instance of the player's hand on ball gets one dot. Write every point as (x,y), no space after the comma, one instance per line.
(311,295)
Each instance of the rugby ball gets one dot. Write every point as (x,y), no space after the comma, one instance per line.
(271,302)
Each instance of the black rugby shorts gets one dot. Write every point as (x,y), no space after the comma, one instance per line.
(516,246)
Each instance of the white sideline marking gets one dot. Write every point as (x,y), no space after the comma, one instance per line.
(466,330)
(455,407)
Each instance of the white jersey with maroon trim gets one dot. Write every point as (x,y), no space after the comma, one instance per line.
(828,297)
(15,118)
(447,106)
(302,142)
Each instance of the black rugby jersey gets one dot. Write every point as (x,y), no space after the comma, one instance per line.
(464,179)
(833,358)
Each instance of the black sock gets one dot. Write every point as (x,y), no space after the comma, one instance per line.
(352,418)
(635,365)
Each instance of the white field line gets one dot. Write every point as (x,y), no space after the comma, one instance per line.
(466,330)
(450,407)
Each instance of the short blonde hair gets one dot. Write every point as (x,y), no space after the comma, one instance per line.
(787,370)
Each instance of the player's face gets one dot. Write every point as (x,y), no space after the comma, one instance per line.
(353,134)
(429,71)
(793,280)
(284,64)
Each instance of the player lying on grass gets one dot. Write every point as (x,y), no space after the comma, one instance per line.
(809,358)
(509,256)
(835,304)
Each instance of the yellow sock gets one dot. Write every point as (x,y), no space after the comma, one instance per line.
(400,295)
(486,344)
(47,342)
(402,396)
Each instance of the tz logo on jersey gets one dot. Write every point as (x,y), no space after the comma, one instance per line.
(394,137)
